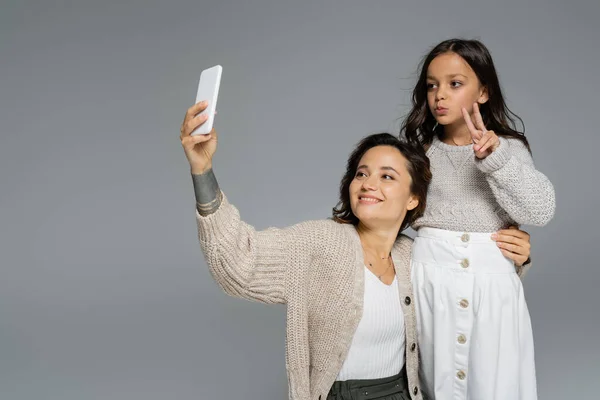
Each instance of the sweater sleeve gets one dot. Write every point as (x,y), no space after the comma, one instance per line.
(522,270)
(523,192)
(247,263)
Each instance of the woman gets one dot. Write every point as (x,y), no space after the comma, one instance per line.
(350,310)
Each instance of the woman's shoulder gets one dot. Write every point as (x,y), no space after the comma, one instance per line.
(322,231)
(319,225)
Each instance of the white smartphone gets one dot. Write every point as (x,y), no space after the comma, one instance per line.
(208,89)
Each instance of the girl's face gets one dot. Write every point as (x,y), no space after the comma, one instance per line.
(380,193)
(452,85)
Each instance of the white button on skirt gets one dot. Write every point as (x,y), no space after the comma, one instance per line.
(474,329)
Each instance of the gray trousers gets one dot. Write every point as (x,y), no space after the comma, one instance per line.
(391,388)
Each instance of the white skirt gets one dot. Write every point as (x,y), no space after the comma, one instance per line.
(475,336)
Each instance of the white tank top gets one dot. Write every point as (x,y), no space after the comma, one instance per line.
(377,348)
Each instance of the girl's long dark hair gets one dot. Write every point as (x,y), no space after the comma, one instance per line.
(419,127)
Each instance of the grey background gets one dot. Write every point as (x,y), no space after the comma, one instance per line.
(103,290)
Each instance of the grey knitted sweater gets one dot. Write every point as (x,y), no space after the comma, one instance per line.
(469,194)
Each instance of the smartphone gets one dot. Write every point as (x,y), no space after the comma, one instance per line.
(208,89)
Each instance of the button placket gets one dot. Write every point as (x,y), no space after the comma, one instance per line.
(464,314)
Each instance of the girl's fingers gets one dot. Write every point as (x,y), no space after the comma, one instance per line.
(475,133)
(482,142)
(489,141)
(469,122)
(478,119)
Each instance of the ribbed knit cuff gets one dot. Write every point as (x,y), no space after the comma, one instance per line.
(497,159)
(522,270)
(211,225)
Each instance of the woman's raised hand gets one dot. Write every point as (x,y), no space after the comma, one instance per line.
(199,149)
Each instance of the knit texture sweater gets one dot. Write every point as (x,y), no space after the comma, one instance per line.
(473,195)
(316,268)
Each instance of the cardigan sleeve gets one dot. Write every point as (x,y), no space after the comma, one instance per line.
(250,264)
(523,192)
(523,269)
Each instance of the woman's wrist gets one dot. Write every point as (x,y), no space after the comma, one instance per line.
(200,170)
(207,192)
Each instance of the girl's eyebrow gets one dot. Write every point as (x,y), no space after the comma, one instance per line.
(447,76)
(453,75)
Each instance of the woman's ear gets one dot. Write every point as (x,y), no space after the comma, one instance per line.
(413,202)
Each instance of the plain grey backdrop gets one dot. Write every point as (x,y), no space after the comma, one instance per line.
(104,293)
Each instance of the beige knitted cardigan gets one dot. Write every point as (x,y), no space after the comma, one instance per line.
(317,269)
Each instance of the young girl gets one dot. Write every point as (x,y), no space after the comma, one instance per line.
(475,333)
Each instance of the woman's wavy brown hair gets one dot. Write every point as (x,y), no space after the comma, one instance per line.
(417,165)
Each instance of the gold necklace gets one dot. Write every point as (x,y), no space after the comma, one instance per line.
(389,258)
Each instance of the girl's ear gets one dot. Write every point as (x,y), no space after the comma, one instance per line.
(483,95)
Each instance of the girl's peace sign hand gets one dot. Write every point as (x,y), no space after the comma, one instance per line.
(484,141)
